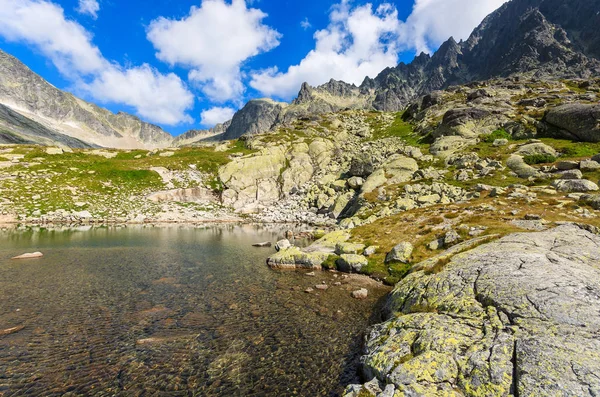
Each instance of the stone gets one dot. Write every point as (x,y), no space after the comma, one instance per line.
(400,253)
(575,185)
(571,174)
(567,165)
(282,244)
(321,287)
(451,237)
(361,166)
(576,121)
(362,293)
(349,248)
(351,263)
(500,142)
(29,255)
(589,165)
(355,182)
(524,305)
(537,148)
(517,165)
(262,245)
(370,250)
(445,146)
(340,204)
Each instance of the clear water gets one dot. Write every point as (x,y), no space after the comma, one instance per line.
(175,311)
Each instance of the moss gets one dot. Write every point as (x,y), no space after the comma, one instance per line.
(330,262)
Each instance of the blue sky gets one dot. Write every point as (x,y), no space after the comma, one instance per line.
(187,64)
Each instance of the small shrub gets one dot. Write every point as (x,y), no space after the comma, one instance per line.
(498,134)
(539,159)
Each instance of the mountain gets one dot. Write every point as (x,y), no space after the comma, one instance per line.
(193,137)
(538,38)
(544,39)
(61,118)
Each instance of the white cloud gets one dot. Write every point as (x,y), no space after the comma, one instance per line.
(305,24)
(362,41)
(358,42)
(216,115)
(42,24)
(156,96)
(89,7)
(213,41)
(433,21)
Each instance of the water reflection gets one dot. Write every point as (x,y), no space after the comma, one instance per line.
(175,311)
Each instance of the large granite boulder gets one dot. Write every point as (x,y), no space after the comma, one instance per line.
(577,121)
(518,316)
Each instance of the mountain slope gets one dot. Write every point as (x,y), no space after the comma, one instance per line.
(540,38)
(30,95)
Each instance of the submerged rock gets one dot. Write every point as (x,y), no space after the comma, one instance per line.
(29,255)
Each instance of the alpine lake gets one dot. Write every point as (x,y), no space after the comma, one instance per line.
(173,311)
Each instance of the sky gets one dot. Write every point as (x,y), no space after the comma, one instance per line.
(189,64)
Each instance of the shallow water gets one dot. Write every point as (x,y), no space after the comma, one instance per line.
(174,311)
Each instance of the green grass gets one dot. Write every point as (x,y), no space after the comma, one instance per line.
(537,158)
(398,129)
(498,134)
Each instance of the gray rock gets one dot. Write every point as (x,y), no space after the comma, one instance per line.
(575,121)
(282,245)
(575,185)
(513,317)
(256,117)
(519,167)
(567,165)
(537,148)
(351,263)
(370,250)
(589,165)
(361,166)
(362,293)
(400,253)
(355,182)
(571,174)
(500,142)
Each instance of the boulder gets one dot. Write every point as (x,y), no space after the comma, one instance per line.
(537,148)
(577,121)
(282,245)
(362,166)
(575,185)
(445,146)
(355,182)
(571,174)
(400,253)
(351,263)
(567,165)
(514,317)
(589,165)
(519,167)
(464,122)
(349,248)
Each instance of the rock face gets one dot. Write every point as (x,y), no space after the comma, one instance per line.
(192,137)
(515,317)
(63,115)
(258,116)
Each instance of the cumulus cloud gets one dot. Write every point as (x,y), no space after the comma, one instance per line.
(213,41)
(362,41)
(216,115)
(433,21)
(89,7)
(42,24)
(358,42)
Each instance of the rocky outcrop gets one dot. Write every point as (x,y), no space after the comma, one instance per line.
(61,113)
(258,116)
(514,317)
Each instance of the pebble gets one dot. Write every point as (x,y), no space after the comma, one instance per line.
(29,255)
(360,294)
(321,287)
